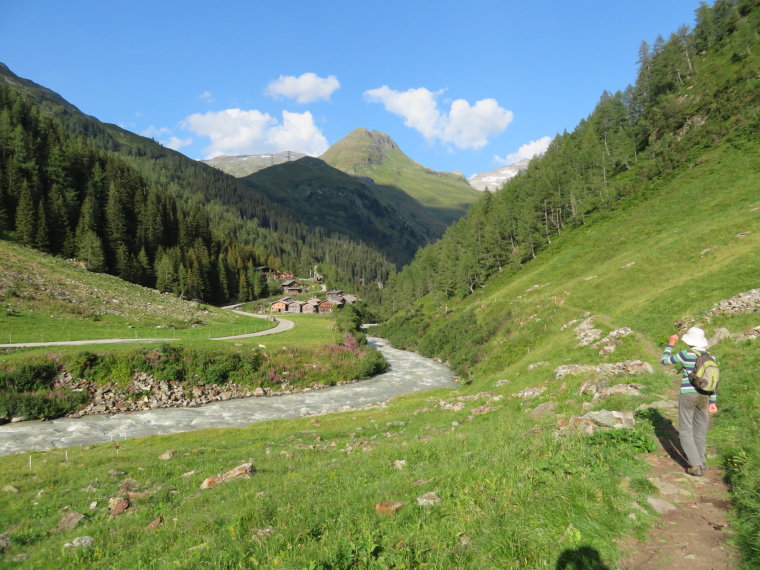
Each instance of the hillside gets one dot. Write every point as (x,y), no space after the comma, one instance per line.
(243,165)
(375,155)
(642,222)
(235,209)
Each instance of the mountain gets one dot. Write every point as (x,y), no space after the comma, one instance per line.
(376,156)
(497,177)
(326,198)
(244,164)
(221,205)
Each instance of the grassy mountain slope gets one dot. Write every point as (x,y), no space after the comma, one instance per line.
(324,197)
(377,156)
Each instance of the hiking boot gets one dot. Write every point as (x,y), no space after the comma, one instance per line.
(695,471)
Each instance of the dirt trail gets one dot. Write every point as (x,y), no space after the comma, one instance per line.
(693,534)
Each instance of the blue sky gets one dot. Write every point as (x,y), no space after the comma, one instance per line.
(463,86)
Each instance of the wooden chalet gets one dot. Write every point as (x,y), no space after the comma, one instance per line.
(335,295)
(278,307)
(295,306)
(327,307)
(292,287)
(310,307)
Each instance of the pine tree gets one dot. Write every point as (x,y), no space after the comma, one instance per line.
(26,215)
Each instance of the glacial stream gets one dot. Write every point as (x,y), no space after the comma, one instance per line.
(407,372)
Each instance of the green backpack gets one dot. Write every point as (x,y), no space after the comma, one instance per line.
(706,374)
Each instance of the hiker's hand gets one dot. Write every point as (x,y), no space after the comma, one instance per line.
(673,340)
(712,408)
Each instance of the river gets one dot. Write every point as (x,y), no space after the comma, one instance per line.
(407,372)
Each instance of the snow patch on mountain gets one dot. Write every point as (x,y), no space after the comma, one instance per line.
(496,178)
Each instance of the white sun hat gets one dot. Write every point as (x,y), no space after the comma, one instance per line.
(695,337)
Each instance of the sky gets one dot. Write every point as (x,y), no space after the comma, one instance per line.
(459,86)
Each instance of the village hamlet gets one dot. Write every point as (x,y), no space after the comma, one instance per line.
(336,299)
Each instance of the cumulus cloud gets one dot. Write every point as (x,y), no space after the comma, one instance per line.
(176,143)
(234,131)
(160,134)
(464,125)
(528,150)
(307,88)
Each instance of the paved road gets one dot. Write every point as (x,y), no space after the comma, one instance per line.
(282,325)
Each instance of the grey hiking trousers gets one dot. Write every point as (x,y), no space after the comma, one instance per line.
(692,426)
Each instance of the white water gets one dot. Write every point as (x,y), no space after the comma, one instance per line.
(407,372)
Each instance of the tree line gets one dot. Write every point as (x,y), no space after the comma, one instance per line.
(651,128)
(165,224)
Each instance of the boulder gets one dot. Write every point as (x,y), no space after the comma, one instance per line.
(429,500)
(543,409)
(67,523)
(80,542)
(389,508)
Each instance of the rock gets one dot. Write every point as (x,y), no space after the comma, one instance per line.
(658,405)
(543,409)
(10,489)
(156,523)
(166,455)
(117,506)
(389,508)
(529,393)
(719,335)
(666,488)
(188,474)
(5,543)
(116,472)
(501,383)
(611,419)
(258,392)
(93,505)
(537,364)
(67,523)
(80,542)
(399,464)
(429,500)
(259,533)
(243,471)
(660,506)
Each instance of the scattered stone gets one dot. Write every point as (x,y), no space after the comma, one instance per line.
(501,383)
(543,409)
(586,333)
(399,464)
(188,474)
(429,500)
(660,506)
(118,505)
(666,488)
(259,533)
(20,557)
(166,455)
(243,471)
(464,540)
(605,369)
(612,419)
(116,472)
(704,251)
(389,508)
(453,406)
(631,264)
(5,543)
(658,405)
(10,489)
(80,542)
(93,505)
(479,411)
(590,277)
(748,301)
(529,393)
(537,364)
(67,523)
(743,234)
(156,523)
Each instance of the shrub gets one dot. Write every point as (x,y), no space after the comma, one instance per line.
(28,376)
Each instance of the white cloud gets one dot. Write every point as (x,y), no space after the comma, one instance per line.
(234,131)
(528,150)
(464,126)
(207,97)
(154,132)
(307,88)
(176,143)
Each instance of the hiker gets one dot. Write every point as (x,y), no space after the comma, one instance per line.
(693,404)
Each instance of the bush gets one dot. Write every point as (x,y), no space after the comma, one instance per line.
(29,376)
(40,405)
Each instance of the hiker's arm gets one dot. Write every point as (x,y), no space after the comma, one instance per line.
(666,357)
(712,408)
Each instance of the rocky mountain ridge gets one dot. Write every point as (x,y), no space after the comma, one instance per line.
(496,178)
